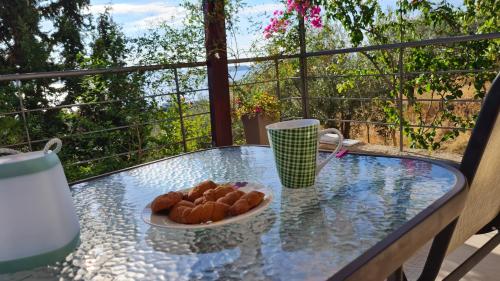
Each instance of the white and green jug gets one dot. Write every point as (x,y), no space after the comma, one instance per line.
(38,222)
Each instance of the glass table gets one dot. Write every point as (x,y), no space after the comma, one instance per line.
(307,233)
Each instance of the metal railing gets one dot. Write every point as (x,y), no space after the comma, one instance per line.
(401,74)
(22,113)
(278,81)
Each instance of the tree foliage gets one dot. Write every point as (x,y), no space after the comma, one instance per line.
(107,121)
(425,69)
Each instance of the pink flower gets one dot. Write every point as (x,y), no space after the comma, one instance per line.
(315,10)
(316,22)
(279,22)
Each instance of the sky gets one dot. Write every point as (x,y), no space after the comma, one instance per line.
(137,16)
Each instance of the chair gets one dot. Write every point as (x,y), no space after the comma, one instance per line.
(481,213)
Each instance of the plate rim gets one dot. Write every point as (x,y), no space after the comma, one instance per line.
(147,213)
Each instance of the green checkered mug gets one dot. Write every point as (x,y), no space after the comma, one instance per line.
(295,148)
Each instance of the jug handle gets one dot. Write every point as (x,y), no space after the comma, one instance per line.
(50,143)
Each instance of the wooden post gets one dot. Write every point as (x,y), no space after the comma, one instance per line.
(217,72)
(303,68)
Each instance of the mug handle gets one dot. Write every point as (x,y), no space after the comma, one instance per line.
(339,146)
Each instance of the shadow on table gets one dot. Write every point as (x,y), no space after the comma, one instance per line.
(302,220)
(210,240)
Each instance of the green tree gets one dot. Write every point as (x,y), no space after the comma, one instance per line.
(110,122)
(27,47)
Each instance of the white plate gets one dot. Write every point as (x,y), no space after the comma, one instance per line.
(162,220)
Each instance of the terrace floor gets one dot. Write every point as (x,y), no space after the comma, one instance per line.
(487,270)
(392,150)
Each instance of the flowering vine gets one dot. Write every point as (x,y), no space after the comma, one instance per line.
(280,20)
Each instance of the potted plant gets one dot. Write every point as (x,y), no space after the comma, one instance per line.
(256,110)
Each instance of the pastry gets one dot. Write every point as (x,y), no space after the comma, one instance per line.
(165,201)
(198,190)
(186,212)
(246,203)
(209,211)
(200,200)
(212,195)
(219,192)
(200,213)
(231,197)
(179,212)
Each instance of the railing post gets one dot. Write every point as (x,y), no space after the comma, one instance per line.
(277,75)
(400,98)
(217,72)
(17,84)
(303,68)
(179,104)
(401,77)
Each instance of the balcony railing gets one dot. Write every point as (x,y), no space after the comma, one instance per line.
(281,89)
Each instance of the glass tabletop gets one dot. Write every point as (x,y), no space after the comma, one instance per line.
(306,233)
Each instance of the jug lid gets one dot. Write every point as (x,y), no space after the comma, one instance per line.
(21,157)
(20,164)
